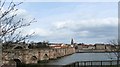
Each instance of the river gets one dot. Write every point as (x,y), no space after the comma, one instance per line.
(82,57)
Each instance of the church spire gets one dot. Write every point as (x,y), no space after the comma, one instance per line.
(72,42)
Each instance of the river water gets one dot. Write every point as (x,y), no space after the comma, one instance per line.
(82,57)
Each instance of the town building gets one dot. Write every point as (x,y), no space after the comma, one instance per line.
(100,46)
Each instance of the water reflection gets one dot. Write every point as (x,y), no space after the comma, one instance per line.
(82,57)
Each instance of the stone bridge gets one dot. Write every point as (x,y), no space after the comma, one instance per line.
(29,56)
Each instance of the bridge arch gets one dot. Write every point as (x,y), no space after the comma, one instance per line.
(46,56)
(15,62)
(34,59)
(18,47)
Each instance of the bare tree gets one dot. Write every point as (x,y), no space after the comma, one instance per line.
(9,27)
(115,46)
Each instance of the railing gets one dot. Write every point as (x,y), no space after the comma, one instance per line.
(107,63)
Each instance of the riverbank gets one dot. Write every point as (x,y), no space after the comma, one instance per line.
(105,63)
(38,65)
(94,51)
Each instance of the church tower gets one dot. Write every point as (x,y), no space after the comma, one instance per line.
(72,42)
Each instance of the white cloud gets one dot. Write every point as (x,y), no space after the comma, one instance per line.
(19,12)
(73,28)
(1,11)
(22,13)
(84,33)
(88,23)
(38,31)
(62,24)
(73,24)
(97,28)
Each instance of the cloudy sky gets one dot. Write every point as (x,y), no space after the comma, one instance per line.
(87,22)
